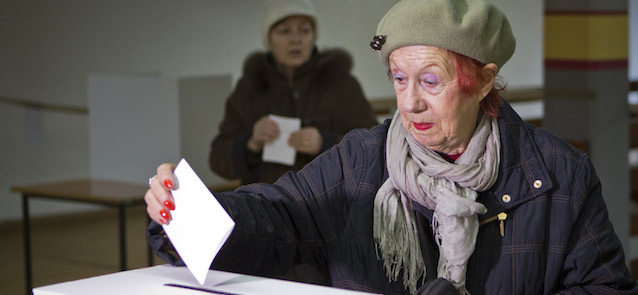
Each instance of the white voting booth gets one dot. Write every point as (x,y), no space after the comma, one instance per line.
(138,122)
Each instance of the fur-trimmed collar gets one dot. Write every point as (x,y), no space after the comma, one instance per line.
(325,66)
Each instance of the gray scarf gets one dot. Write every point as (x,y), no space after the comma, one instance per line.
(449,189)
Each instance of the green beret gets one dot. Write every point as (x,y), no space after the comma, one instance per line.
(473,28)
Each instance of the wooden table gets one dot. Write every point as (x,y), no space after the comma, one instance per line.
(120,195)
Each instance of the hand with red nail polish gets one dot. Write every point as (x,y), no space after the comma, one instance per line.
(159,199)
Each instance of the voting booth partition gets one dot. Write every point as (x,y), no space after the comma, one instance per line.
(140,121)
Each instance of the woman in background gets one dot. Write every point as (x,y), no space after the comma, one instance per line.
(291,79)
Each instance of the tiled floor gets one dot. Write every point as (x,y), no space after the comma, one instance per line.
(70,247)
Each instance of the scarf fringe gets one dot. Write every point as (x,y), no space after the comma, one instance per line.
(399,244)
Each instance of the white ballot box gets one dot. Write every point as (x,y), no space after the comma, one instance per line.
(170,280)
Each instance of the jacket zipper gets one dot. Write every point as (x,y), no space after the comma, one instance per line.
(501,217)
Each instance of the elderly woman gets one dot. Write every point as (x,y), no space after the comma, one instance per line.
(292,79)
(455,194)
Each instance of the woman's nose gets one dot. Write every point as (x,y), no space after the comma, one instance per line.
(295,37)
(413,100)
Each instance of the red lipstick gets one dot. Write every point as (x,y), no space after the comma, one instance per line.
(422,126)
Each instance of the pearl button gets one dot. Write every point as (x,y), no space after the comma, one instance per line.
(538,183)
(506,198)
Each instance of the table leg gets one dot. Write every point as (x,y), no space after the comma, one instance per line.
(26,235)
(122,225)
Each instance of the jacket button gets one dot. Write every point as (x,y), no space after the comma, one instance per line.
(538,183)
(506,198)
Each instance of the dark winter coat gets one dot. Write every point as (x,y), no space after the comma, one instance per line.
(323,94)
(557,236)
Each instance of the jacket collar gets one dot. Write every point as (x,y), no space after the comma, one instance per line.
(521,163)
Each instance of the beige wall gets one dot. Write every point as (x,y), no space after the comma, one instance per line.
(48,49)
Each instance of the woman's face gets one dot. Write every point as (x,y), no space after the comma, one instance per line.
(291,42)
(433,108)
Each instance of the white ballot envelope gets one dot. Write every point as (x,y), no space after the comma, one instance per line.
(278,151)
(200,225)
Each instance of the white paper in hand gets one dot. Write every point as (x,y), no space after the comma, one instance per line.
(278,151)
(200,225)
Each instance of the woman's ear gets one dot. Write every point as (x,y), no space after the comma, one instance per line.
(488,76)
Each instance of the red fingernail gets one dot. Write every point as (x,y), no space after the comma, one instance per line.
(169,205)
(168,183)
(165,214)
